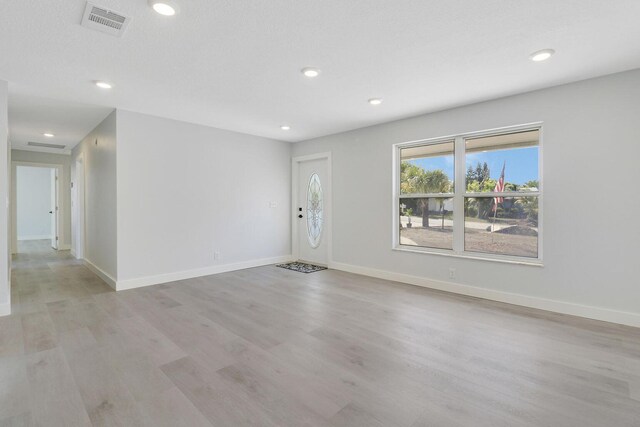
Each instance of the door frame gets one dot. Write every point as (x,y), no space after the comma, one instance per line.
(327,204)
(55,208)
(78,208)
(14,199)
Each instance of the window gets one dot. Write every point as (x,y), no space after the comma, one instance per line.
(474,194)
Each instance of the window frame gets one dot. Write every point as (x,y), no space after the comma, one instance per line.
(459,195)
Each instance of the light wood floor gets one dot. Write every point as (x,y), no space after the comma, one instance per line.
(271,347)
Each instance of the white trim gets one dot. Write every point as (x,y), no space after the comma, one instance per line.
(521,260)
(199,272)
(460,174)
(42,237)
(488,194)
(100,273)
(328,206)
(65,247)
(5,309)
(562,307)
(64,151)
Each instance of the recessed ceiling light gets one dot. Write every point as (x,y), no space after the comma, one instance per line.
(375,101)
(164,7)
(310,72)
(542,55)
(103,85)
(285,127)
(48,135)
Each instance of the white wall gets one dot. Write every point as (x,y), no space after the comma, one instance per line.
(65,183)
(33,203)
(99,152)
(591,154)
(186,191)
(5,160)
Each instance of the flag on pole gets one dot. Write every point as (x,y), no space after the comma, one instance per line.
(499,189)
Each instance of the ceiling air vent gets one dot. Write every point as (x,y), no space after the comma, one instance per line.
(41,144)
(104,20)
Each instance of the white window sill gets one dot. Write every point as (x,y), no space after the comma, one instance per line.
(533,262)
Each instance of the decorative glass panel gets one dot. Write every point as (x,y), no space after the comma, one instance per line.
(314,211)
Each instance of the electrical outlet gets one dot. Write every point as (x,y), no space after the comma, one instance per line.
(216,255)
(452,273)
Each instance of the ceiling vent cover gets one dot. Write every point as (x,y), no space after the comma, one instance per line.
(42,144)
(104,20)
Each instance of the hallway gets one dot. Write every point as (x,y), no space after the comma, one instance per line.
(41,275)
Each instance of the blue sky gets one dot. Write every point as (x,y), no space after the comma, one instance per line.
(521,163)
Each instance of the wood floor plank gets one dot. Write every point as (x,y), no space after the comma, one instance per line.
(64,315)
(38,332)
(147,340)
(296,382)
(107,400)
(11,336)
(14,387)
(171,408)
(387,405)
(203,340)
(282,407)
(220,404)
(353,416)
(55,399)
(22,420)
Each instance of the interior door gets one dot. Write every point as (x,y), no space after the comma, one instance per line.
(54,208)
(311,214)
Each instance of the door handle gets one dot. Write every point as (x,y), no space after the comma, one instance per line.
(50,212)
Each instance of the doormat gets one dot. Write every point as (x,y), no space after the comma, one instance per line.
(301,267)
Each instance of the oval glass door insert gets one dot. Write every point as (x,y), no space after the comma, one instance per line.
(314,211)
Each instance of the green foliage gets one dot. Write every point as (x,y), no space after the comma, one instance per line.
(481,186)
(414,179)
(529,206)
(480,173)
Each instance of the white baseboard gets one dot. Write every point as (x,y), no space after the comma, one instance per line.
(100,273)
(34,238)
(590,312)
(190,274)
(66,247)
(72,252)
(5,309)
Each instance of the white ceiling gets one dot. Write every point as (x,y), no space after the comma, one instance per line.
(235,64)
(30,116)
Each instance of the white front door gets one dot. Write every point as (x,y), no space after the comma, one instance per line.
(311,214)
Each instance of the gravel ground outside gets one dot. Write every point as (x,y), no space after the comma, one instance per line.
(474,240)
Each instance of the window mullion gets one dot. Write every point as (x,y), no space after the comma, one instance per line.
(426,195)
(458,198)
